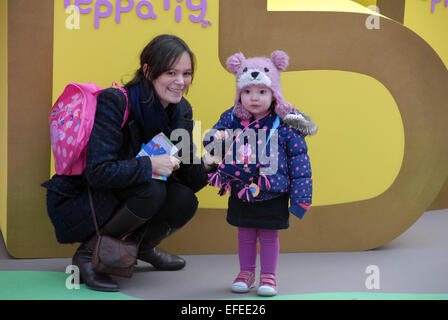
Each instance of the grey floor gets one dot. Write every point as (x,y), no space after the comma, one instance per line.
(414,263)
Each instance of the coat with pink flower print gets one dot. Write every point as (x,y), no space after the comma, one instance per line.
(289,167)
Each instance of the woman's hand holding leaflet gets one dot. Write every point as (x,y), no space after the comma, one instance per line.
(164,165)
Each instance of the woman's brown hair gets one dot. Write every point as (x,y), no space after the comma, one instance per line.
(160,54)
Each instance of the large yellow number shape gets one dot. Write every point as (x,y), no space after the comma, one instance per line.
(395,56)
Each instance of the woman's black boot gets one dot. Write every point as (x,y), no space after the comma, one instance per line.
(149,238)
(93,280)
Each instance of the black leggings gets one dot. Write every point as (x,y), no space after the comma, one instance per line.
(161,201)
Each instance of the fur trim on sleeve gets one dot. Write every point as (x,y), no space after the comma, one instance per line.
(301,122)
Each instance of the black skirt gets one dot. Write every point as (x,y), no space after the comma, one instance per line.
(268,214)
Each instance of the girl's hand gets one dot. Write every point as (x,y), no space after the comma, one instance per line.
(221,135)
(211,162)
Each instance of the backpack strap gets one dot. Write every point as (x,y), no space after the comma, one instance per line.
(92,209)
(126,112)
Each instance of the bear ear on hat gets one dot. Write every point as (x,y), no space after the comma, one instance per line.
(280,59)
(234,62)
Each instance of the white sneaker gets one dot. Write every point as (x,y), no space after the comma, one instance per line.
(243,282)
(268,285)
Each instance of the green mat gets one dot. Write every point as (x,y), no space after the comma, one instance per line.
(41,285)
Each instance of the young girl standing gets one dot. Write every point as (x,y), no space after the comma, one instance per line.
(265,165)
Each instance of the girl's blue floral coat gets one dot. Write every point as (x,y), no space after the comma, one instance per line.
(293,174)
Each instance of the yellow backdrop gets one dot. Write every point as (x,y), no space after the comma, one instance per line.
(364,160)
(378,159)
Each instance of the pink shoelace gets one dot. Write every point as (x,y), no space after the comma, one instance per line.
(267,279)
(246,277)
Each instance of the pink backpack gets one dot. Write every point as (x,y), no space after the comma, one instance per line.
(71,121)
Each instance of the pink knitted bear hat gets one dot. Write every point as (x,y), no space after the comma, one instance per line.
(259,71)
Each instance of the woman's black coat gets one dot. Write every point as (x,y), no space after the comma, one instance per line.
(111,165)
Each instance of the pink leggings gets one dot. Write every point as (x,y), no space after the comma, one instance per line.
(269,249)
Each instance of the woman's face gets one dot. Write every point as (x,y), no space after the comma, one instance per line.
(171,85)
